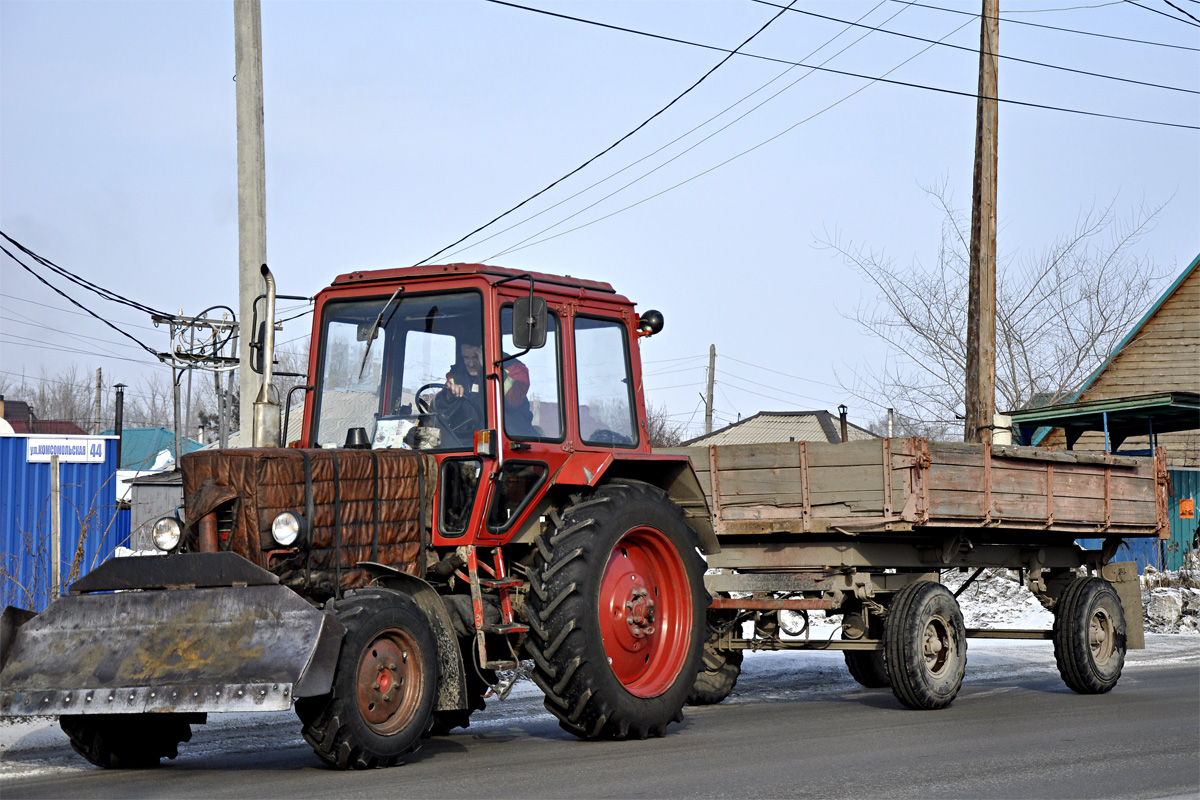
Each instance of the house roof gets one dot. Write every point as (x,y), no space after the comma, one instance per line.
(54,427)
(140,446)
(1129,337)
(781,426)
(22,419)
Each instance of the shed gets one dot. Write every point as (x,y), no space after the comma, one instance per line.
(87,510)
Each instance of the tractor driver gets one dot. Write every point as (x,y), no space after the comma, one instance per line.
(466,379)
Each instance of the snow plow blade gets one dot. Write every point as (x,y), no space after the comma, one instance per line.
(189,633)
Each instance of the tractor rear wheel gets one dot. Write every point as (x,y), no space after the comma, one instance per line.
(926,646)
(384,684)
(1089,636)
(617,611)
(128,741)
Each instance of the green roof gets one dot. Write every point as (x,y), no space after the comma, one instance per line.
(140,446)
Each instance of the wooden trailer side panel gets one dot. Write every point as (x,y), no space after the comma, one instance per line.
(902,485)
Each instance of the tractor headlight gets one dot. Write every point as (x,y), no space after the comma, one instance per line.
(166,534)
(287,527)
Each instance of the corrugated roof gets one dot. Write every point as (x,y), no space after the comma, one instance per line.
(782,426)
(140,446)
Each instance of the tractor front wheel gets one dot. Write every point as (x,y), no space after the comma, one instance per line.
(384,684)
(617,612)
(128,741)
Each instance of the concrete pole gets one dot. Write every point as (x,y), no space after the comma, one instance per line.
(55,531)
(252,192)
(981,308)
(708,397)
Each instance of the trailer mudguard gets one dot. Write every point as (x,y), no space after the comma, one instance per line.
(120,644)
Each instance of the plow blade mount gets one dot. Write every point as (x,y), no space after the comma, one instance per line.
(164,641)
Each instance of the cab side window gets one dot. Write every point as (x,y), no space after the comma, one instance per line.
(532,389)
(605,385)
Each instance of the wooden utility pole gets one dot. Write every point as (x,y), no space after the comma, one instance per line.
(981,307)
(252,193)
(708,396)
(96,423)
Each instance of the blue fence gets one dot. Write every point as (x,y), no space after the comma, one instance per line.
(88,517)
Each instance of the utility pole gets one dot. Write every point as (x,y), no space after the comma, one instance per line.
(981,308)
(708,397)
(252,192)
(96,417)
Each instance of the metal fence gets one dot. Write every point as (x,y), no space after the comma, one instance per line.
(88,509)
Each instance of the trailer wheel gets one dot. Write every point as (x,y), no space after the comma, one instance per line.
(867,667)
(1089,636)
(128,741)
(617,613)
(384,684)
(717,676)
(926,646)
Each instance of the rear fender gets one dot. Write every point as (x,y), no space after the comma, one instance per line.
(671,473)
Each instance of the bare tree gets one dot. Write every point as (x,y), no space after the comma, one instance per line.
(661,430)
(1060,311)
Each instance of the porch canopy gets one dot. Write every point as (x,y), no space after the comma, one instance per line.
(1118,418)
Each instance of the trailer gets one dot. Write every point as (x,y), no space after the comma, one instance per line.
(866,529)
(474,488)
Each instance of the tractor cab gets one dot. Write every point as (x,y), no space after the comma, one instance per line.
(502,376)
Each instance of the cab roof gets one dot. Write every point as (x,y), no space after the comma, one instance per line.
(492,274)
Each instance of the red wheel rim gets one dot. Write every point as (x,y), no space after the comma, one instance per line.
(645,612)
(390,682)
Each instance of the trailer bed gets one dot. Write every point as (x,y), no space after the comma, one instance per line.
(913,485)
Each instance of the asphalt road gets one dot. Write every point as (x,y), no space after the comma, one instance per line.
(796,727)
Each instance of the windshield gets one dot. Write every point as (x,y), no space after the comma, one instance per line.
(422,384)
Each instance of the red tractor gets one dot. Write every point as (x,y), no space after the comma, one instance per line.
(473,487)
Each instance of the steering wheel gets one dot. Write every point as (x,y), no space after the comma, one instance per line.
(462,416)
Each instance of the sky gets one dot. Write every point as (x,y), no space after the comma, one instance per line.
(395,128)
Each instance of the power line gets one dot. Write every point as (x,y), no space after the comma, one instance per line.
(1163,13)
(777,372)
(1180,10)
(1054,27)
(74,302)
(976,51)
(845,73)
(62,310)
(731,158)
(83,282)
(723,128)
(682,136)
(31,323)
(646,122)
(71,350)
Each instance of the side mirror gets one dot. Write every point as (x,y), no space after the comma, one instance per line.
(529,323)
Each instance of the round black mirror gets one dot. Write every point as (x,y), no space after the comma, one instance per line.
(650,323)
